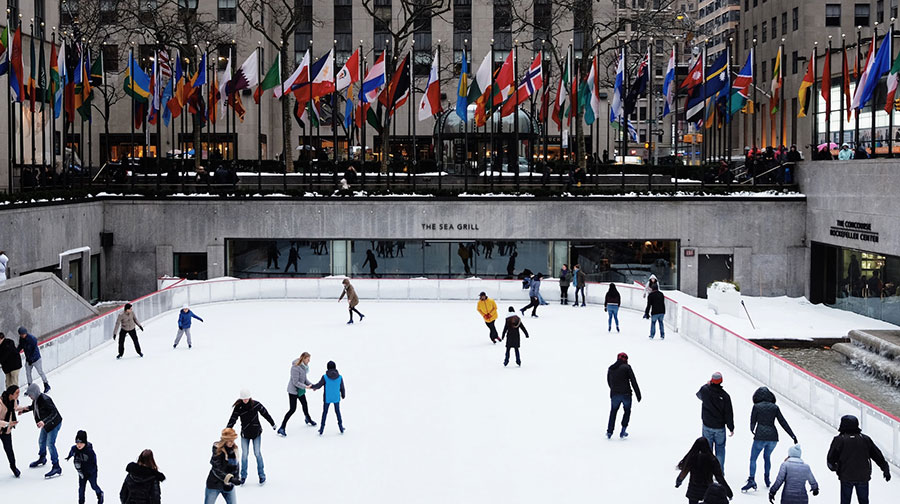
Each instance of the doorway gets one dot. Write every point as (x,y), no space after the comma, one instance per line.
(713,268)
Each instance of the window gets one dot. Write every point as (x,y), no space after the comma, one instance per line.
(343,31)
(13,7)
(68,13)
(893,8)
(879,11)
(224,51)
(832,14)
(502,29)
(795,19)
(382,27)
(763,72)
(774,28)
(795,62)
(543,17)
(147,9)
(303,33)
(462,30)
(765,31)
(755,33)
(746,40)
(39,14)
(187,4)
(784,23)
(227,11)
(145,55)
(746,5)
(861,15)
(422,38)
(110,57)
(108,11)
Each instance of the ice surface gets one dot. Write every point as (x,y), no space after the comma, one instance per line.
(431,413)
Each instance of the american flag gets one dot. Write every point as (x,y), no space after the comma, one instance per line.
(164,67)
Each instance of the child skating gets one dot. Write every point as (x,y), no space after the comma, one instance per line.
(85,461)
(185,317)
(334,392)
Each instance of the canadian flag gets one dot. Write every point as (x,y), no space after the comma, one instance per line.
(431,100)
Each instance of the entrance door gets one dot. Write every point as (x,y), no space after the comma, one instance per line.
(713,268)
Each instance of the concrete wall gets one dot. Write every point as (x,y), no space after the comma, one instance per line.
(42,303)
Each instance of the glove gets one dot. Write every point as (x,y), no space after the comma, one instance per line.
(772,497)
(795,440)
(639,398)
(887,475)
(646,316)
(604,308)
(677,482)
(815,491)
(114,336)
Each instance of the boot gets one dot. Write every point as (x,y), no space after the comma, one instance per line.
(99,497)
(623,434)
(310,421)
(281,432)
(54,471)
(768,483)
(15,470)
(46,387)
(39,462)
(350,322)
(751,485)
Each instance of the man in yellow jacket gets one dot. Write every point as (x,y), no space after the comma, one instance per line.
(488,310)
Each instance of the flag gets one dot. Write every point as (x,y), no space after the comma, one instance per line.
(480,83)
(167,97)
(42,78)
(178,96)
(695,75)
(348,108)
(431,99)
(503,82)
(226,77)
(696,99)
(368,92)
(287,84)
(562,93)
(57,79)
(16,73)
(97,71)
(271,80)
(246,76)
(164,68)
(808,80)
(4,50)
(875,68)
(153,110)
(349,74)
(826,84)
(136,82)
(200,77)
(83,91)
(462,89)
(529,84)
(777,81)
(617,109)
(740,90)
(398,90)
(669,85)
(32,78)
(639,87)
(592,111)
(892,80)
(543,115)
(214,96)
(845,87)
(321,73)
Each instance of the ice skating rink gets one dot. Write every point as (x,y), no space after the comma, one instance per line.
(432,416)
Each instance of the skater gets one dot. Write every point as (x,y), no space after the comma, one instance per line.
(620,378)
(651,283)
(715,494)
(127,321)
(185,317)
(511,333)
(611,306)
(293,257)
(488,310)
(28,345)
(656,312)
(851,455)
(716,414)
(49,421)
(765,435)
(565,278)
(9,402)
(352,300)
(372,262)
(223,475)
(248,411)
(334,392)
(10,360)
(579,281)
(85,465)
(141,486)
(794,473)
(297,387)
(534,290)
(703,467)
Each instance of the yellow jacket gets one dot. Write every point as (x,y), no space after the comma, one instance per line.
(488,310)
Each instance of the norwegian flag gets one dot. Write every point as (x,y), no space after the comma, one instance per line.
(164,68)
(530,83)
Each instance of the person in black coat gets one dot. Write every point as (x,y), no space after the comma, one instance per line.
(765,436)
(511,333)
(248,411)
(717,414)
(850,456)
(141,486)
(620,378)
(611,306)
(49,421)
(223,473)
(85,461)
(8,404)
(656,312)
(700,463)
(10,360)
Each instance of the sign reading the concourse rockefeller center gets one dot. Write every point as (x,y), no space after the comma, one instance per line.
(851,230)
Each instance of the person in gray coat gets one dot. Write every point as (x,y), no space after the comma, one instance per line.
(534,291)
(565,279)
(297,391)
(794,474)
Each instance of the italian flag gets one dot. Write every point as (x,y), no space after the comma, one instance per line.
(892,81)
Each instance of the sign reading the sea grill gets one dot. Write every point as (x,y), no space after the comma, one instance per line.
(450,226)
(851,230)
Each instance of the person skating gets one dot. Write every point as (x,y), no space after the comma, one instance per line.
(651,282)
(248,410)
(611,306)
(9,402)
(141,485)
(223,473)
(352,300)
(715,494)
(717,414)
(49,421)
(511,333)
(700,463)
(656,312)
(793,474)
(621,380)
(565,279)
(851,455)
(297,391)
(10,360)
(765,435)
(579,281)
(85,461)
(488,310)
(534,290)
(334,392)
(128,322)
(28,344)
(185,317)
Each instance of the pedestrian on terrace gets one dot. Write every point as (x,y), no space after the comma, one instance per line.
(127,321)
(297,387)
(185,317)
(248,410)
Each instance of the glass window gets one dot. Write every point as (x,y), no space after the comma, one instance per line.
(774,28)
(68,12)
(224,51)
(227,11)
(110,57)
(861,14)
(765,31)
(784,28)
(278,258)
(108,11)
(303,33)
(191,266)
(795,19)
(832,14)
(502,29)
(627,261)
(867,283)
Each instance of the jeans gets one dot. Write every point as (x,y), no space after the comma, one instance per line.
(187,332)
(518,359)
(862,491)
(212,495)
(766,447)
(716,438)
(613,311)
(257,452)
(653,320)
(533,305)
(616,401)
(48,440)
(292,402)
(82,483)
(541,300)
(493,329)
(337,411)
(579,288)
(134,338)
(39,366)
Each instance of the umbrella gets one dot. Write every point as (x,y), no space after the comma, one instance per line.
(828,145)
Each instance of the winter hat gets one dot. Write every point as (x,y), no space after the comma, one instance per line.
(482,294)
(622,356)
(245,394)
(185,306)
(228,434)
(127,306)
(795,451)
(81,437)
(331,365)
(716,378)
(511,310)
(22,330)
(33,391)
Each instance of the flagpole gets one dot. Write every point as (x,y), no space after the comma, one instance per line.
(489,106)
(543,98)
(309,116)
(841,95)
(815,103)
(440,163)
(651,112)
(213,92)
(52,112)
(465,124)
(11,113)
(674,85)
(90,121)
(131,68)
(515,158)
(874,108)
(232,139)
(827,104)
(43,104)
(33,90)
(363,111)
(156,96)
(623,120)
(334,108)
(856,145)
(259,69)
(890,106)
(755,102)
(728,115)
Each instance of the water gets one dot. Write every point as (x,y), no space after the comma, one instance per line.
(835,368)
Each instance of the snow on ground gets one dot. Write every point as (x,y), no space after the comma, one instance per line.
(431,413)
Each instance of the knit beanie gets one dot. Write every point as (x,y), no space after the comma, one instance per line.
(245,394)
(716,378)
(81,437)
(623,356)
(795,451)
(22,330)
(228,434)
(331,365)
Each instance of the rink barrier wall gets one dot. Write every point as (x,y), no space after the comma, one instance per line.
(818,397)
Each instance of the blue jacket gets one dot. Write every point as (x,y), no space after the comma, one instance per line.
(29,345)
(334,386)
(184,319)
(85,460)
(535,289)
(794,474)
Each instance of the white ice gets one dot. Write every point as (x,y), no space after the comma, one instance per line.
(431,413)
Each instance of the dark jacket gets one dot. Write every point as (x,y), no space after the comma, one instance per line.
(852,452)
(511,331)
(223,464)
(614,298)
(249,415)
(716,494)
(703,469)
(29,345)
(85,460)
(621,380)
(656,304)
(141,486)
(565,277)
(44,410)
(9,356)
(716,412)
(579,278)
(763,416)
(331,379)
